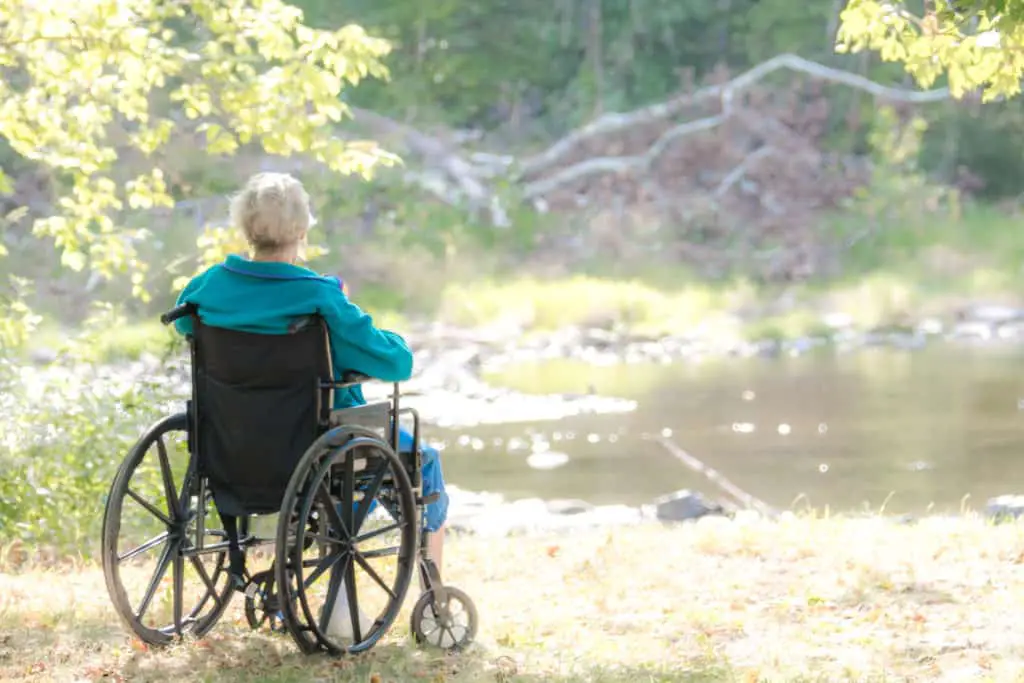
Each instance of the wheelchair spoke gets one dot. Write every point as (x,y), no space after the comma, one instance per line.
(369,493)
(353,600)
(378,532)
(321,567)
(149,506)
(323,497)
(173,508)
(348,497)
(201,570)
(373,574)
(325,539)
(178,574)
(381,552)
(158,575)
(148,545)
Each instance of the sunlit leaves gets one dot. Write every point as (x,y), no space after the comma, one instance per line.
(17,321)
(981,50)
(216,243)
(91,84)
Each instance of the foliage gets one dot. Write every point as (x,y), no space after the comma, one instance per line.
(975,45)
(896,176)
(66,429)
(17,320)
(216,242)
(89,84)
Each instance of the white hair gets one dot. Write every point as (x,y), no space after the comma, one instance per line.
(272,211)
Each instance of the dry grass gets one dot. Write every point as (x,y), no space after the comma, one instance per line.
(797,600)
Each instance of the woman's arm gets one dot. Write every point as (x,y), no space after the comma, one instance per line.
(359,345)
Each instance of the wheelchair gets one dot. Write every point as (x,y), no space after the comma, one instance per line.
(258,437)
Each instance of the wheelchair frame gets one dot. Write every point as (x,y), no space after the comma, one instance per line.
(436,596)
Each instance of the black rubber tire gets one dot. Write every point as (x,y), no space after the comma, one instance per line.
(155,637)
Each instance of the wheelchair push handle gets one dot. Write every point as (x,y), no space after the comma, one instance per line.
(176,313)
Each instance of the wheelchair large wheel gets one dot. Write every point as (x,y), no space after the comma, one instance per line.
(345,473)
(150,526)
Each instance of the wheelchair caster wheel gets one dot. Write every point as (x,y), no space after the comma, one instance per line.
(261,604)
(450,626)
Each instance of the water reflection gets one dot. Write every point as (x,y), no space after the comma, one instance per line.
(843,431)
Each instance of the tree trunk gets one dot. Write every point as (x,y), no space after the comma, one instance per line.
(596,53)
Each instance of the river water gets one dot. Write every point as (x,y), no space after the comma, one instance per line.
(907,430)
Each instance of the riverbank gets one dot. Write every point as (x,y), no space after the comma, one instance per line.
(798,599)
(69,424)
(586,318)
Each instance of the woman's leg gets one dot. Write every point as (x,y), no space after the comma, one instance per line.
(436,513)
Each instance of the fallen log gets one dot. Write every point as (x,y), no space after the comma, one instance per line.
(612,123)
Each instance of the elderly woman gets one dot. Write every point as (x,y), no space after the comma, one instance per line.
(267,292)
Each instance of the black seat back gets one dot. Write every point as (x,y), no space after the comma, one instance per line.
(259,406)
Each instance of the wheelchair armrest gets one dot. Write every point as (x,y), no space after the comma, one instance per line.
(353,377)
(348,379)
(177,312)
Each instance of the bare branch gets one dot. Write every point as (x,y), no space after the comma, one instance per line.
(437,154)
(620,165)
(736,174)
(613,123)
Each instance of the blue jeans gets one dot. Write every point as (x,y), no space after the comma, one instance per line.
(435,513)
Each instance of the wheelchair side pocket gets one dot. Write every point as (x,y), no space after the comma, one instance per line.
(250,440)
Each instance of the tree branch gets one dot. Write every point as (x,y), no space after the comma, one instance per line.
(725,92)
(620,165)
(736,174)
(461,172)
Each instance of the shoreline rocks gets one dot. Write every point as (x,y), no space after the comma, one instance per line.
(490,515)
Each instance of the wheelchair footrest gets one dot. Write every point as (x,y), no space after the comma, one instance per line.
(432,498)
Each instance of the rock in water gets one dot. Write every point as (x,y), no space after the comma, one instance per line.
(1005,507)
(547,460)
(562,506)
(684,505)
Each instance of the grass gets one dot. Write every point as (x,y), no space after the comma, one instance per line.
(801,599)
(880,300)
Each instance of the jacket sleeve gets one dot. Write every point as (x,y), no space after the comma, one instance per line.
(184,325)
(359,345)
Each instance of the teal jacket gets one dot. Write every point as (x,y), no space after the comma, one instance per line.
(265,297)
